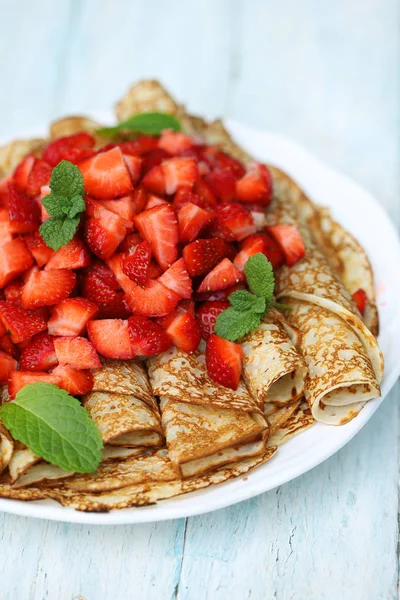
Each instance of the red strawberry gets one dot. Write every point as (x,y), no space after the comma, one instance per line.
(13,292)
(73,148)
(154,270)
(224,361)
(103,235)
(23,211)
(220,294)
(136,265)
(255,185)
(207,315)
(205,193)
(130,242)
(185,332)
(153,158)
(154,180)
(179,172)
(45,288)
(224,275)
(361,300)
(154,201)
(71,316)
(184,196)
(155,300)
(222,183)
(19,379)
(186,306)
(234,222)
(192,220)
(77,352)
(290,242)
(124,207)
(21,324)
(41,253)
(39,176)
(15,258)
(105,175)
(5,227)
(111,338)
(110,302)
(39,354)
(166,321)
(259,242)
(174,143)
(147,337)
(225,161)
(202,255)
(139,199)
(74,381)
(7,364)
(134,165)
(177,279)
(159,226)
(8,347)
(74,255)
(21,173)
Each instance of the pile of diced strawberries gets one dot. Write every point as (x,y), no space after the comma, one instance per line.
(168,228)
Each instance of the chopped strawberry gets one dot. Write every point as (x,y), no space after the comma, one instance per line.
(153,158)
(39,354)
(154,180)
(106,175)
(7,346)
(74,255)
(259,242)
(220,294)
(109,301)
(147,337)
(185,332)
(179,172)
(19,379)
(13,292)
(154,201)
(177,279)
(222,183)
(154,270)
(234,222)
(7,364)
(104,234)
(15,258)
(21,324)
(159,226)
(225,161)
(45,288)
(192,220)
(290,242)
(139,198)
(130,242)
(186,306)
(202,255)
(74,381)
(207,315)
(155,300)
(183,197)
(71,316)
(224,275)
(205,193)
(361,300)
(23,211)
(21,173)
(124,207)
(174,143)
(134,164)
(136,265)
(5,226)
(224,361)
(255,185)
(111,338)
(41,253)
(3,330)
(77,352)
(166,320)
(39,176)
(73,148)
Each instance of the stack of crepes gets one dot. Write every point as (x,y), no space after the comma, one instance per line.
(167,427)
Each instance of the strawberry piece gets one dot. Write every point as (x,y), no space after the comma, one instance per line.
(205,193)
(290,242)
(74,381)
(124,207)
(255,185)
(103,235)
(153,158)
(134,165)
(106,175)
(234,222)
(130,242)
(19,379)
(36,244)
(39,176)
(8,347)
(361,300)
(185,332)
(159,226)
(3,331)
(13,292)
(224,275)
(154,201)
(222,183)
(225,161)
(259,242)
(202,255)
(155,300)
(7,364)
(186,306)
(207,315)
(139,199)
(77,352)
(45,288)
(111,338)
(73,148)
(74,255)
(24,212)
(71,316)
(179,172)
(39,354)
(147,337)
(220,295)
(15,259)
(115,264)
(192,220)
(224,361)
(174,143)
(21,173)
(136,265)
(166,321)
(21,324)
(154,270)
(183,197)
(154,180)
(177,279)
(5,226)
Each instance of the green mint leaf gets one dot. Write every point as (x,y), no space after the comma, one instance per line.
(242,300)
(66,180)
(260,276)
(54,426)
(77,206)
(56,206)
(151,123)
(232,324)
(58,231)
(281,306)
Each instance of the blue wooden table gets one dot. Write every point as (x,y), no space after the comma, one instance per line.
(328,75)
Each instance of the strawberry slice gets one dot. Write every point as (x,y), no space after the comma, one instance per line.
(103,235)
(222,183)
(185,332)
(77,352)
(106,175)
(154,180)
(154,270)
(134,165)
(255,185)
(223,276)
(111,338)
(202,255)
(8,347)
(39,176)
(5,226)
(73,148)
(124,207)
(74,255)
(39,354)
(361,300)
(19,379)
(7,364)
(147,337)
(139,199)
(290,242)
(45,288)
(177,279)
(155,300)
(21,324)
(136,265)
(21,173)
(192,220)
(41,253)
(13,292)
(71,316)
(175,143)
(159,226)
(24,212)
(224,361)
(154,201)
(259,242)
(234,222)
(129,243)
(205,193)
(74,381)
(207,315)
(179,172)
(15,259)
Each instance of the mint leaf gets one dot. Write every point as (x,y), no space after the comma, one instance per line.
(54,426)
(66,180)
(260,276)
(58,231)
(56,206)
(242,300)
(151,123)
(77,206)
(232,324)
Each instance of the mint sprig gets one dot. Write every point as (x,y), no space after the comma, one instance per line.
(65,205)
(54,426)
(149,123)
(247,309)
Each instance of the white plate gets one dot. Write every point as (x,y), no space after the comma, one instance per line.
(361,214)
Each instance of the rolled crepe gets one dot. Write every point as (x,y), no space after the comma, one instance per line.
(6,447)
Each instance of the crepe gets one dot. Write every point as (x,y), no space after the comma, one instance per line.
(6,447)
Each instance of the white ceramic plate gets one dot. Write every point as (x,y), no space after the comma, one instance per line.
(361,214)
